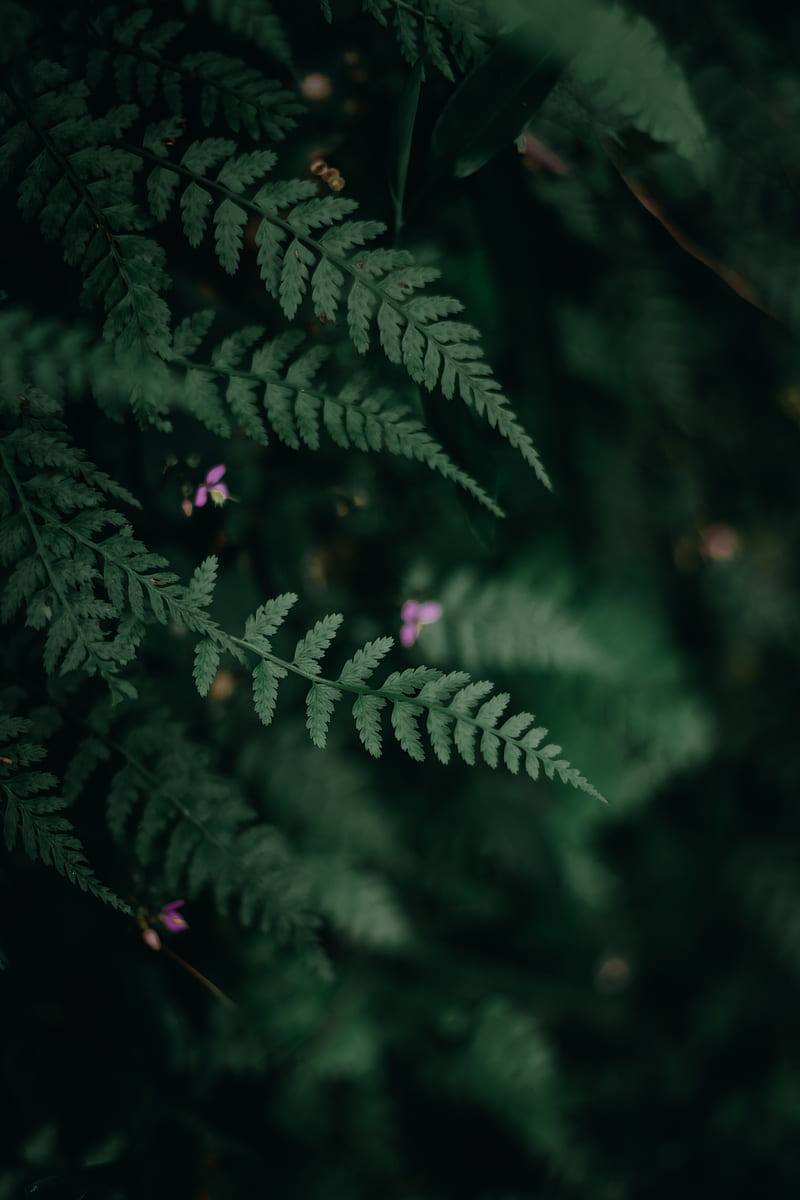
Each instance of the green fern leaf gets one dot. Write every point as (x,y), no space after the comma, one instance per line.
(490,748)
(404,717)
(438,690)
(514,726)
(532,765)
(231,350)
(326,287)
(201,156)
(238,173)
(319,705)
(359,668)
(533,738)
(489,713)
(206,662)
(32,811)
(511,757)
(361,305)
(294,276)
(200,589)
(266,677)
(241,401)
(195,203)
(407,682)
(267,620)
(161,188)
(201,398)
(190,332)
(312,647)
(367,711)
(463,701)
(253,20)
(440,731)
(464,738)
(229,223)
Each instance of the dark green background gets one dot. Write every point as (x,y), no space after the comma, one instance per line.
(560,999)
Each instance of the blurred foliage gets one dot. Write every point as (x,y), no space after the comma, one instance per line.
(459,982)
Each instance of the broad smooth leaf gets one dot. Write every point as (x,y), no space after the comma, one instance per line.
(406,117)
(491,106)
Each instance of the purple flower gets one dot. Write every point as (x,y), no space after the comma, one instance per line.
(414,615)
(172,919)
(212,487)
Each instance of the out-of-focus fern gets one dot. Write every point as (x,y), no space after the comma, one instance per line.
(766,882)
(331,808)
(132,49)
(510,1060)
(192,828)
(33,812)
(509,623)
(253,20)
(619,64)
(187,824)
(69,361)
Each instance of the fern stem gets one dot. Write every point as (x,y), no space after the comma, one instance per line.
(212,987)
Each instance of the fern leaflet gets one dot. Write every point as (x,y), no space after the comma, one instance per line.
(31,811)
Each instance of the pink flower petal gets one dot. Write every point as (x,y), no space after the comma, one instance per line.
(408,633)
(410,611)
(153,940)
(173,919)
(429,612)
(201,496)
(215,474)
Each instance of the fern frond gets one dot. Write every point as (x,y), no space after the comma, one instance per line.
(90,590)
(357,902)
(282,383)
(377,286)
(132,50)
(513,624)
(509,1066)
(194,827)
(51,512)
(619,64)
(253,20)
(57,575)
(434,30)
(33,812)
(448,701)
(80,189)
(70,360)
